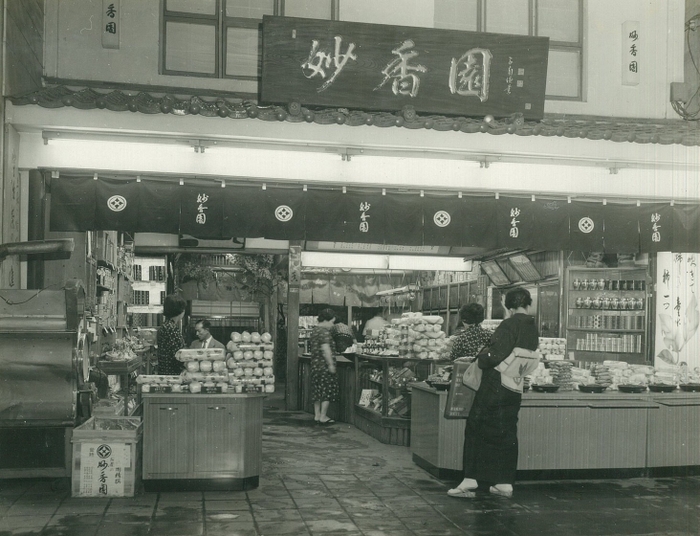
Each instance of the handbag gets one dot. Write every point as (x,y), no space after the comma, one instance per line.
(459,397)
(472,376)
(516,366)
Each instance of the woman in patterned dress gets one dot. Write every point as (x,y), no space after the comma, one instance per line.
(324,381)
(169,338)
(473,337)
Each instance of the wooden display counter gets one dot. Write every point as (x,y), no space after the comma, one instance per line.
(341,411)
(202,441)
(570,433)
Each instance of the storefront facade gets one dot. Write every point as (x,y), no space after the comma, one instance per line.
(115,111)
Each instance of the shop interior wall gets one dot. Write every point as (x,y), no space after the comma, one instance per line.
(74,50)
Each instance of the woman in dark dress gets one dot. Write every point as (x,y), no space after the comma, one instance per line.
(473,337)
(169,338)
(491,434)
(324,381)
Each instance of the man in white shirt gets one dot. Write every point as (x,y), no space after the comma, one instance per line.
(204,338)
(375,323)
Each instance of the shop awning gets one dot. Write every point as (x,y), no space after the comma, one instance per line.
(401,218)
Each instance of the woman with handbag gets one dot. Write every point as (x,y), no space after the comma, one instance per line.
(491,435)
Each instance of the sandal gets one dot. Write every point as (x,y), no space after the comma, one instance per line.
(329,421)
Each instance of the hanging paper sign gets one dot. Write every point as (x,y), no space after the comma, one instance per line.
(630,53)
(677,341)
(379,67)
(110,23)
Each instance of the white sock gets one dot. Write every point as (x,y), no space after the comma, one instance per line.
(504,487)
(468,483)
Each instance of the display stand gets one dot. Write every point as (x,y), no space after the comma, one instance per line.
(572,434)
(124,370)
(607,314)
(390,425)
(201,441)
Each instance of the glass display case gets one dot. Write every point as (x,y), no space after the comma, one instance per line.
(607,312)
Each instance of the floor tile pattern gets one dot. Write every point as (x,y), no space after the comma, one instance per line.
(335,480)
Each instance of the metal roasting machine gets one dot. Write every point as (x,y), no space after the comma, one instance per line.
(44,361)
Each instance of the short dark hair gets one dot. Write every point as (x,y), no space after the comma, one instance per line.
(173,305)
(518,297)
(327,314)
(205,323)
(472,313)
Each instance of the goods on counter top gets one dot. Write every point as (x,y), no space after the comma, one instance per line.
(123,349)
(417,336)
(245,366)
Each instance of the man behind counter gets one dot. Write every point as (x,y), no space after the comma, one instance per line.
(204,338)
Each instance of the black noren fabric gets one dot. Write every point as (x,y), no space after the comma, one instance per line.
(72,205)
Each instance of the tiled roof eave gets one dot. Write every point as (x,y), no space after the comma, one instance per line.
(664,132)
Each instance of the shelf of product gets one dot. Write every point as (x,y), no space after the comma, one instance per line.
(244,367)
(607,313)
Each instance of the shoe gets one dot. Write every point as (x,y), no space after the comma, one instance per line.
(329,421)
(502,491)
(461,493)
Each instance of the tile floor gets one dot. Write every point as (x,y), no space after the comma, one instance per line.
(337,480)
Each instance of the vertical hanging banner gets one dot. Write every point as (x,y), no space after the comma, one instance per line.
(326,219)
(550,224)
(381,67)
(72,204)
(686,228)
(585,226)
(201,211)
(158,207)
(283,214)
(677,341)
(630,53)
(621,234)
(241,211)
(404,220)
(656,227)
(116,205)
(111,23)
(365,217)
(443,221)
(479,223)
(514,224)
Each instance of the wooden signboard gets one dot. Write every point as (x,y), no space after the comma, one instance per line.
(378,67)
